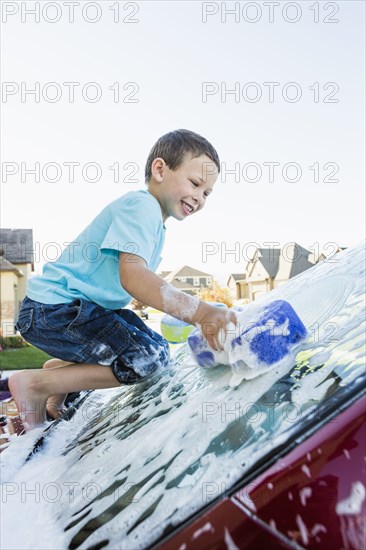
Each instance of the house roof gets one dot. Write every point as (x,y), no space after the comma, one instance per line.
(238,276)
(186,271)
(301,260)
(183,286)
(164,274)
(270,259)
(290,261)
(5,265)
(17,245)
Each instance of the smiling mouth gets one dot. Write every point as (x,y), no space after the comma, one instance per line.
(188,209)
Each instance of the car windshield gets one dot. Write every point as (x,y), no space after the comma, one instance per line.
(140,460)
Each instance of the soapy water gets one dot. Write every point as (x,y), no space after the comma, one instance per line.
(177,303)
(136,461)
(263,338)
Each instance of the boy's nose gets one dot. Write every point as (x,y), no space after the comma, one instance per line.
(198,198)
(197,202)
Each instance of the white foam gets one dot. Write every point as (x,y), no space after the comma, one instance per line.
(177,303)
(179,434)
(352,505)
(305,493)
(303,529)
(230,544)
(206,527)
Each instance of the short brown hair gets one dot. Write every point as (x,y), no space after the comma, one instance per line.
(173,146)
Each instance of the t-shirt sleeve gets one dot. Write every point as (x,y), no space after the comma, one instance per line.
(133,229)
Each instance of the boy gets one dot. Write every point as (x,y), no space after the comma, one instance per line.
(74,310)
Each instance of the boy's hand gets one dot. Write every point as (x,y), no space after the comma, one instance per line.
(211,320)
(150,289)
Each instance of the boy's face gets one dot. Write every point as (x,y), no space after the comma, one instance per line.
(183,192)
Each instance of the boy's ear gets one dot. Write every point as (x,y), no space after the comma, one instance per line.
(157,169)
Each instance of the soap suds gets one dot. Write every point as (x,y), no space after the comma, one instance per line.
(352,505)
(230,544)
(303,529)
(177,303)
(207,527)
(155,435)
(305,493)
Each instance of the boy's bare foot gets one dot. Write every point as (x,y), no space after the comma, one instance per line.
(55,404)
(55,410)
(26,389)
(31,389)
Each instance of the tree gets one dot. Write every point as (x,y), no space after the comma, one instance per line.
(136,304)
(215,293)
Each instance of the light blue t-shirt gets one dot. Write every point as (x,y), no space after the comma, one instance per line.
(88,268)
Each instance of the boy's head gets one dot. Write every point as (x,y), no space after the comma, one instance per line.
(181,171)
(174,146)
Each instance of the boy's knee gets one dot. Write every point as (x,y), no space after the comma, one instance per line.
(126,374)
(52,363)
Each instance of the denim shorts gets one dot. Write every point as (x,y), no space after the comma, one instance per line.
(83,332)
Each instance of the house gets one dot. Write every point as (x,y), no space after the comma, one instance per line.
(316,257)
(187,279)
(236,285)
(16,265)
(269,268)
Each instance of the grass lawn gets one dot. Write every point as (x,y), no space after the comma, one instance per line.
(153,310)
(22,358)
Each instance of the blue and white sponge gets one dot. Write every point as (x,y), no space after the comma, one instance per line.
(265,337)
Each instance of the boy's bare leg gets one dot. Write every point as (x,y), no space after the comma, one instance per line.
(55,402)
(31,389)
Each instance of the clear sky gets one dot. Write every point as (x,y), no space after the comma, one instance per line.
(111,77)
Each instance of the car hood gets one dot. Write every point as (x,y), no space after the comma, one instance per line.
(136,462)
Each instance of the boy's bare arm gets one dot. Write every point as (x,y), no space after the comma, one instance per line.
(147,287)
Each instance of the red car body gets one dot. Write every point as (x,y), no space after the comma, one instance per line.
(310,498)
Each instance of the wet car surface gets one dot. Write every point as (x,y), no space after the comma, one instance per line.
(188,459)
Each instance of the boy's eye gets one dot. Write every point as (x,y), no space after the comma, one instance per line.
(206,193)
